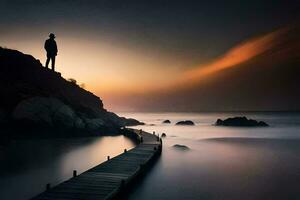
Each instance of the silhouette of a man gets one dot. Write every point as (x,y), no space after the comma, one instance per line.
(51,48)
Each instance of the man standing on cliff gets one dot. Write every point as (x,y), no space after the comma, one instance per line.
(51,48)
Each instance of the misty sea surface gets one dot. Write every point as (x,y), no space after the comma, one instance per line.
(227,163)
(26,166)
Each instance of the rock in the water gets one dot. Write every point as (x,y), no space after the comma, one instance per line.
(241,121)
(163,135)
(166,121)
(181,147)
(187,122)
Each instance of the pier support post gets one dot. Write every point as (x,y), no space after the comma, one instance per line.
(48,186)
(122,184)
(142,167)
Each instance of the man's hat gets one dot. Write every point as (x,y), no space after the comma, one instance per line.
(51,35)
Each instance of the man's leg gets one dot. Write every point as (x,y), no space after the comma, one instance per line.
(53,62)
(47,61)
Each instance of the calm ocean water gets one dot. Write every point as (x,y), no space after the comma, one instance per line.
(223,162)
(26,166)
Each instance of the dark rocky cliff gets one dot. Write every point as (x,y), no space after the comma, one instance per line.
(33,97)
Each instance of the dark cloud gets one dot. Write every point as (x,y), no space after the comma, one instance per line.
(186,28)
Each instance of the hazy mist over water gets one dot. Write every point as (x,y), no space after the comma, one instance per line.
(223,162)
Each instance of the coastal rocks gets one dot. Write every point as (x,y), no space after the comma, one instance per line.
(2,115)
(240,122)
(181,147)
(114,119)
(54,113)
(79,124)
(94,124)
(132,122)
(50,111)
(186,122)
(166,121)
(64,116)
(163,135)
(36,98)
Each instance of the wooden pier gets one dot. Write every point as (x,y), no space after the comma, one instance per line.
(110,179)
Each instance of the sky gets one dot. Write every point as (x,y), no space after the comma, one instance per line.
(133,54)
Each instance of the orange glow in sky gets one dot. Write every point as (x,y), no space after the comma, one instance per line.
(111,70)
(237,55)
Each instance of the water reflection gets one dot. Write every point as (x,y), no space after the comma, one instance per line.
(28,165)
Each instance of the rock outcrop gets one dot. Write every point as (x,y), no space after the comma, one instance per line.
(33,96)
(187,122)
(166,121)
(241,121)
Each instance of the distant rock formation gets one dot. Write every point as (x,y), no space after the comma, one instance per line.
(186,122)
(163,135)
(166,121)
(33,97)
(181,147)
(241,121)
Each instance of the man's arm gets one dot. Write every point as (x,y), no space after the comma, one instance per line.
(46,45)
(56,50)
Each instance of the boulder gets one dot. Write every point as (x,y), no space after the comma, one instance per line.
(64,116)
(132,122)
(181,147)
(50,111)
(2,115)
(240,122)
(163,135)
(79,123)
(186,122)
(166,121)
(94,124)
